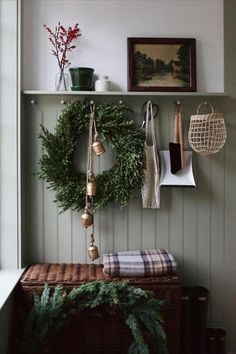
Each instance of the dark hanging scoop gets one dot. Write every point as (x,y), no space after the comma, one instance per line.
(175,148)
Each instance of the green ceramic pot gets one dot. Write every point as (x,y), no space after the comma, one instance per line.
(81,78)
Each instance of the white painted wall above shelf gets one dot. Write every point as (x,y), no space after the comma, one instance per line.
(105,49)
(121,93)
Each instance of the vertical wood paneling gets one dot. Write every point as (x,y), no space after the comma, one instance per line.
(184,224)
(203,226)
(189,261)
(132,227)
(120,228)
(217,236)
(163,220)
(79,240)
(50,210)
(34,186)
(148,228)
(107,232)
(80,236)
(135,222)
(190,236)
(64,229)
(64,226)
(164,135)
(106,215)
(176,225)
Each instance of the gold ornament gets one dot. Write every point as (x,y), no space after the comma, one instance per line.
(93,250)
(86,218)
(91,189)
(98,148)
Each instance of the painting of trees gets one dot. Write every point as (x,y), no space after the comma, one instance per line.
(162,63)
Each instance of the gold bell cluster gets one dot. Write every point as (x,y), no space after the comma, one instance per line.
(97,148)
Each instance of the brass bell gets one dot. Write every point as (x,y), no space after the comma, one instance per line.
(98,148)
(91,189)
(86,218)
(93,252)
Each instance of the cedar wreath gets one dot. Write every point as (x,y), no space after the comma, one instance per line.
(124,136)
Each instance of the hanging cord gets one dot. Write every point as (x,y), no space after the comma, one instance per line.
(92,235)
(92,251)
(95,128)
(90,151)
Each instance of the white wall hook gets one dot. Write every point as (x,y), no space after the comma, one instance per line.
(33,102)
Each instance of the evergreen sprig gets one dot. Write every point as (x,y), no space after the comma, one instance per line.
(139,309)
(123,135)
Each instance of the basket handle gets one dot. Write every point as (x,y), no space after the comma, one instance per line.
(212,110)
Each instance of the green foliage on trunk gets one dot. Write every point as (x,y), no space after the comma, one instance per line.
(53,309)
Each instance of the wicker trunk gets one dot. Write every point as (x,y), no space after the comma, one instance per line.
(106,334)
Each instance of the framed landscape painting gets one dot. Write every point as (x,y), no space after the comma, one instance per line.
(162,64)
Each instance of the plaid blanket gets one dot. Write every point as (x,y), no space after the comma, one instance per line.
(139,263)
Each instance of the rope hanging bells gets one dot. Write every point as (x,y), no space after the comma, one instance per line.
(207,132)
(91,185)
(114,185)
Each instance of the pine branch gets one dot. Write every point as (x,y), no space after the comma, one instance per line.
(51,311)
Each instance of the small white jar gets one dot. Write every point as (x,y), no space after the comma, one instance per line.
(102,84)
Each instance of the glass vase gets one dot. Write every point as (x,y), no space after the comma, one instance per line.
(62,81)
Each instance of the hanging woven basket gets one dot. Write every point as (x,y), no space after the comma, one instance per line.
(207,132)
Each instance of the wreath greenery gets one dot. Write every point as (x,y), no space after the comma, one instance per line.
(139,309)
(56,163)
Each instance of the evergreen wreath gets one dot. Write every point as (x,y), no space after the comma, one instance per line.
(139,309)
(56,163)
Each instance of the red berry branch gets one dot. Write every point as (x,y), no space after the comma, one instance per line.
(61,40)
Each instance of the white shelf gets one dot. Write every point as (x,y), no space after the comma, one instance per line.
(120,93)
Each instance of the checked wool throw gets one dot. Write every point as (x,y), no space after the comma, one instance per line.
(145,263)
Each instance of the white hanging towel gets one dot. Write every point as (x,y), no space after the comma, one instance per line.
(151,183)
